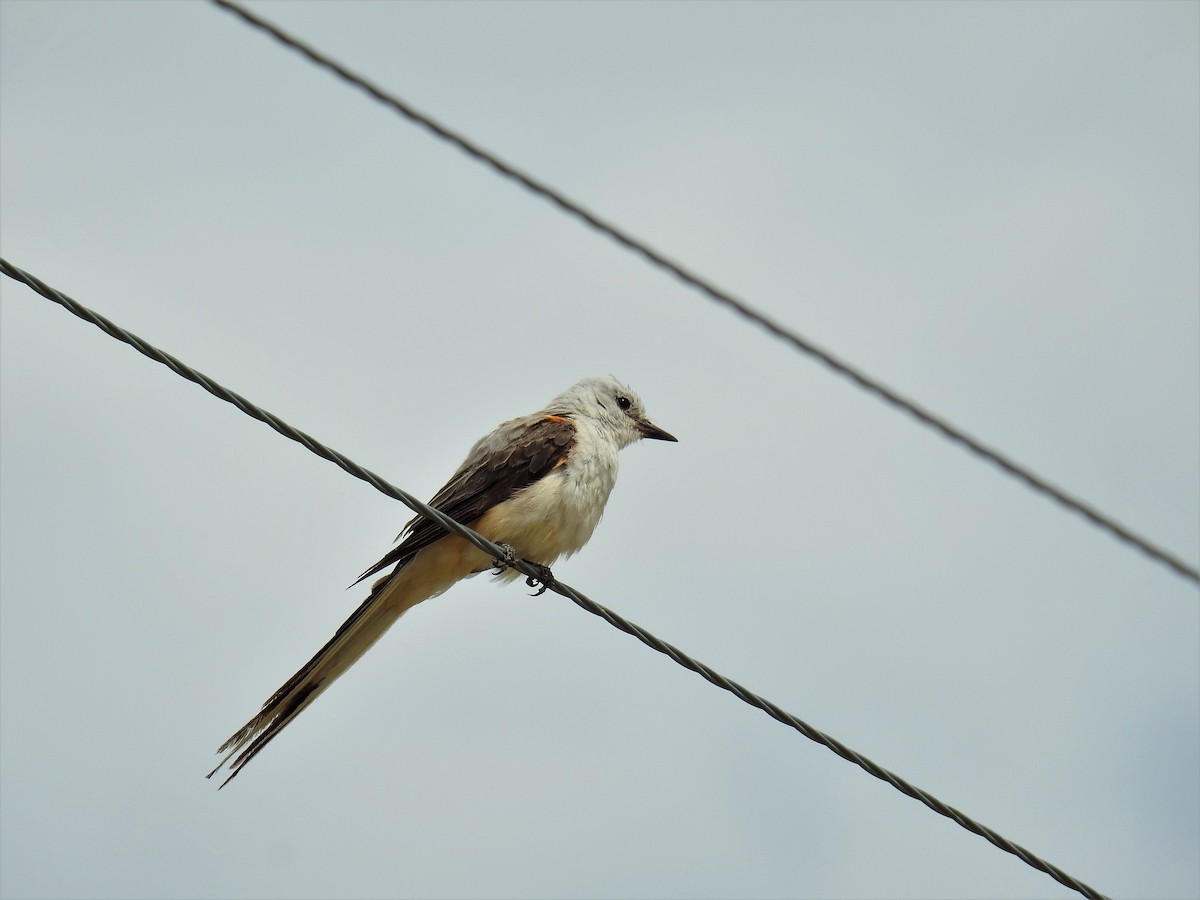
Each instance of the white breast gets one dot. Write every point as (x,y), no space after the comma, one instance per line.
(556,515)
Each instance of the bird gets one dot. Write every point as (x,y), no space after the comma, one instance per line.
(537,485)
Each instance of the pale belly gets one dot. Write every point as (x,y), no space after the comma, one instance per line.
(553,517)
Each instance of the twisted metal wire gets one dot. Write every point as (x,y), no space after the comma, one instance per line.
(497,552)
(839,366)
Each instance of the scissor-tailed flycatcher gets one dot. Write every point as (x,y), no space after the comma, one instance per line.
(537,484)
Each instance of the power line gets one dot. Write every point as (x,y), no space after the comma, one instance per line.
(496,552)
(860,378)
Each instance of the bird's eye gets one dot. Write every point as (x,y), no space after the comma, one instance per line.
(624,402)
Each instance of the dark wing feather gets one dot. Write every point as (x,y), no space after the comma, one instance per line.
(484,480)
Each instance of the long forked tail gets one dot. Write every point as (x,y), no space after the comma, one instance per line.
(354,638)
(430,572)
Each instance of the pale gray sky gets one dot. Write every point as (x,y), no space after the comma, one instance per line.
(994,207)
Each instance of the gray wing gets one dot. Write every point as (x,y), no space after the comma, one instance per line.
(511,458)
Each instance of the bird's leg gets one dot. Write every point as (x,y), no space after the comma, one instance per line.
(508,561)
(542,580)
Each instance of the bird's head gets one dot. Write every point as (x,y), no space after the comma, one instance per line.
(614,406)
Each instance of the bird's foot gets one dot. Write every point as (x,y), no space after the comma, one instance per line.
(508,561)
(542,580)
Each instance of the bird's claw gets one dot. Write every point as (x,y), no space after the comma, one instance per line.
(542,580)
(508,561)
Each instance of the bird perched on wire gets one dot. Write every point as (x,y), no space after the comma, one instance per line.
(537,485)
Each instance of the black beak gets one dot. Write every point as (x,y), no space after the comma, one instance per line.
(652,432)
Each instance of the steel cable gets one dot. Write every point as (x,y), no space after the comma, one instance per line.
(868,383)
(182,369)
